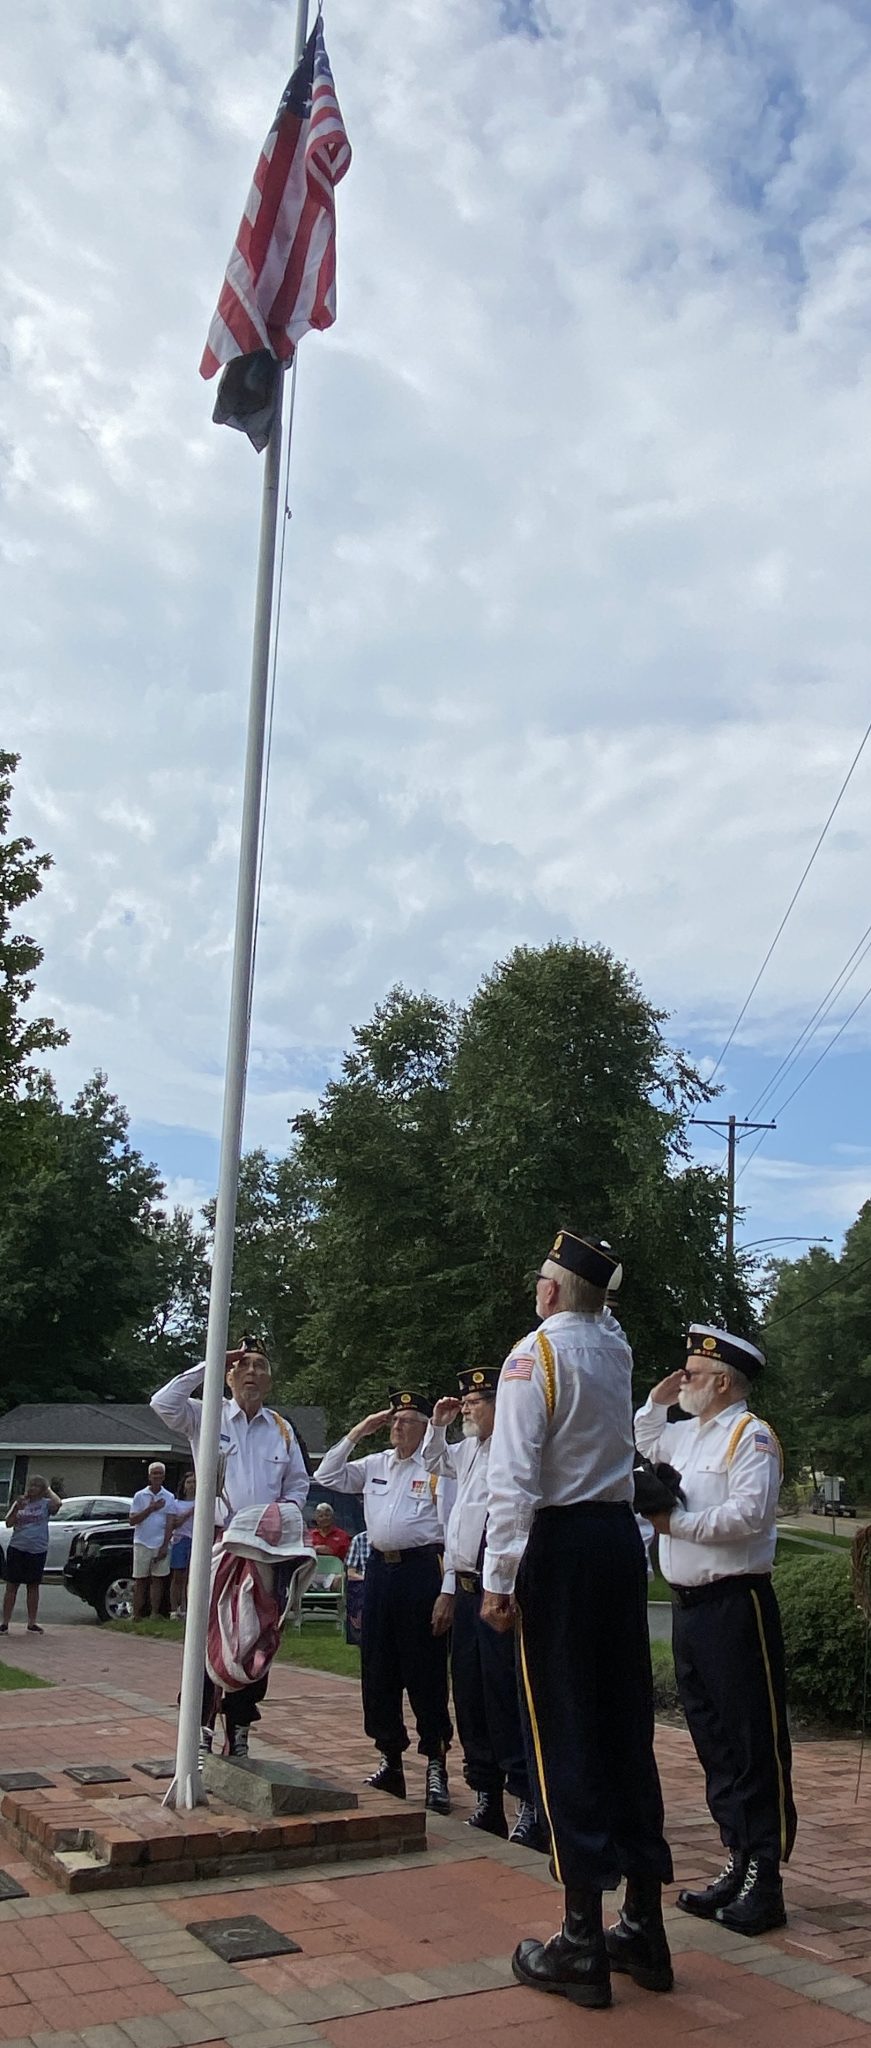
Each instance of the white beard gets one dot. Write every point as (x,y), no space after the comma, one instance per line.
(470,1428)
(695,1402)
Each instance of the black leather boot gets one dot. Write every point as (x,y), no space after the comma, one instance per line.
(759,1906)
(574,1963)
(489,1815)
(438,1798)
(389,1777)
(721,1892)
(638,1944)
(527,1832)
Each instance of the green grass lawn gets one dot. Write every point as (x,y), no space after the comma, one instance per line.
(13,1680)
(317,1647)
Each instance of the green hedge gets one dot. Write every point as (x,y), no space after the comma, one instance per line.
(824,1634)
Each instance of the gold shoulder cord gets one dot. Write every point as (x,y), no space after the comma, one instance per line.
(738,1432)
(282,1427)
(548,1361)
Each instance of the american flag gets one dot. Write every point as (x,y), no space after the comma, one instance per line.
(281,277)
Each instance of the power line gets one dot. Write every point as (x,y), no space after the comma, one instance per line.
(846,1273)
(806,1077)
(793,899)
(836,988)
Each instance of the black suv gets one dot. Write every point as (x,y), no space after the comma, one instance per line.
(99,1569)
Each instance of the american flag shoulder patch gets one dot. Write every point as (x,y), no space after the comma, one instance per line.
(519,1368)
(762,1440)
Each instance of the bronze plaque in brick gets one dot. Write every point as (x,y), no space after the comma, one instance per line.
(243,1940)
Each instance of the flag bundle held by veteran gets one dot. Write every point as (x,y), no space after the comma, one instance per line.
(281,277)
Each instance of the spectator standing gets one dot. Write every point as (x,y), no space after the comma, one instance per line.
(561,1530)
(180,1540)
(28,1518)
(717,1553)
(151,1511)
(326,1536)
(483,1667)
(401,1503)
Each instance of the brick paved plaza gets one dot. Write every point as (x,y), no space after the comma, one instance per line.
(403,1951)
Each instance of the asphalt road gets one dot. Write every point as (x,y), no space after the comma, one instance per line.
(55,1604)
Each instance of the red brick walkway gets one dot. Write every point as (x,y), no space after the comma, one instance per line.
(404,1953)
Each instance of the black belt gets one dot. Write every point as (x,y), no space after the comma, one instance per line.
(469,1582)
(402,1556)
(698,1596)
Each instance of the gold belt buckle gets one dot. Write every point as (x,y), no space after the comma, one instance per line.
(391,1556)
(469,1582)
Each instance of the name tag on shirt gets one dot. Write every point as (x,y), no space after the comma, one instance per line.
(378,1482)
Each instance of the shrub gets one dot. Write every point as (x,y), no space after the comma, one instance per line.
(824,1634)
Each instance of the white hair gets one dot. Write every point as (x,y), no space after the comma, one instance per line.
(739,1380)
(576,1295)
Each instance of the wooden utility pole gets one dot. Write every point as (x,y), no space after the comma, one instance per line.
(731,1125)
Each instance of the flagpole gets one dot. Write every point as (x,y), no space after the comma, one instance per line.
(187,1789)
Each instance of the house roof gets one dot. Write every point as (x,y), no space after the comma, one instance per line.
(117,1426)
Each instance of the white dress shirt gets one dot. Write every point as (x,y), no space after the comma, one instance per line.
(398,1500)
(732,1486)
(467,1464)
(582,1452)
(261,1459)
(152,1530)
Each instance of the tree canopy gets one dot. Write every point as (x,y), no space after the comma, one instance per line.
(432,1177)
(817,1336)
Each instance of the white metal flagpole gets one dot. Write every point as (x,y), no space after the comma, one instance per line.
(186,1789)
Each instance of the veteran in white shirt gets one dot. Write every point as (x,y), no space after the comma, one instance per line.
(405,1515)
(717,1552)
(259,1462)
(259,1458)
(483,1669)
(561,1530)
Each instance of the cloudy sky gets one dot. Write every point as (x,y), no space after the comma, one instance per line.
(577,608)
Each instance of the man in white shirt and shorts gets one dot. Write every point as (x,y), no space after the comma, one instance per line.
(150,1509)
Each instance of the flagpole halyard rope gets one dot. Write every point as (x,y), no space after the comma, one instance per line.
(270,716)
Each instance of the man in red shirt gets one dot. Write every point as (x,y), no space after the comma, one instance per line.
(327,1535)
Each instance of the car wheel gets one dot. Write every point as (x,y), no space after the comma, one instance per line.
(115,1602)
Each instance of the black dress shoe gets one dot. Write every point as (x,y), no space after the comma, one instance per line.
(574,1963)
(759,1906)
(721,1892)
(489,1815)
(527,1832)
(438,1798)
(388,1778)
(638,1946)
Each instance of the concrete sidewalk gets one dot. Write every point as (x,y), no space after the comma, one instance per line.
(401,1953)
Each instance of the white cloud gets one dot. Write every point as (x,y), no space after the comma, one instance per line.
(577,609)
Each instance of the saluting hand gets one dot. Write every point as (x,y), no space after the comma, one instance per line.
(446,1411)
(499,1611)
(370,1423)
(667,1392)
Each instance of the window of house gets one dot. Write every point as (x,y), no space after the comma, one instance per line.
(7,1466)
